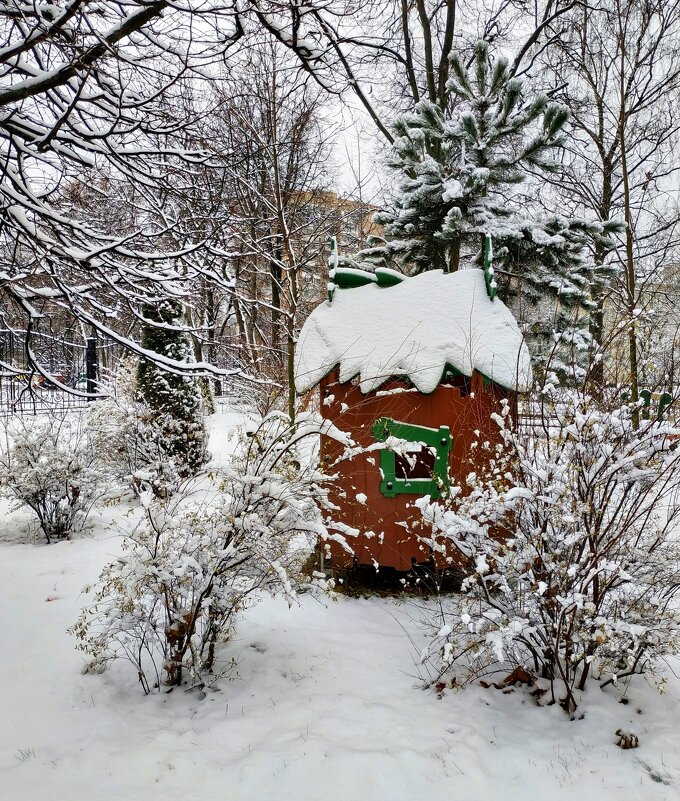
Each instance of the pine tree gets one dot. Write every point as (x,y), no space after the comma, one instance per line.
(458,174)
(174,401)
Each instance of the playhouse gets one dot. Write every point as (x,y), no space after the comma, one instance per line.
(412,370)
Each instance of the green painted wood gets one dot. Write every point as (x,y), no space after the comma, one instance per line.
(440,439)
(664,402)
(349,278)
(387,278)
(646,396)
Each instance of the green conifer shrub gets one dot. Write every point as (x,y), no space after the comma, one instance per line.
(174,401)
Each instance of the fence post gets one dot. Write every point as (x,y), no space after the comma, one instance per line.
(91,366)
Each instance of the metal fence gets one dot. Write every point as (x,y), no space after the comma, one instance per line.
(74,365)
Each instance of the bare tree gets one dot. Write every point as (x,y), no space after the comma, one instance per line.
(406,43)
(274,122)
(100,91)
(617,67)
(84,89)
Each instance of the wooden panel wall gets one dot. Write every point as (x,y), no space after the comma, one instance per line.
(388,525)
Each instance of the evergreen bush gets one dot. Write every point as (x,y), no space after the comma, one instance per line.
(173,401)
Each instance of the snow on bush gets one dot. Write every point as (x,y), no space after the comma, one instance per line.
(195,562)
(49,465)
(570,544)
(174,402)
(132,441)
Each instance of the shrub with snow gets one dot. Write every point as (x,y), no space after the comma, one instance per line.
(571,549)
(196,561)
(173,403)
(48,464)
(130,447)
(132,439)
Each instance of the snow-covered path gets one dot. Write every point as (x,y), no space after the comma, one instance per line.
(325,705)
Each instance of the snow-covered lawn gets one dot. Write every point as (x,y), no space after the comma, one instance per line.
(325,703)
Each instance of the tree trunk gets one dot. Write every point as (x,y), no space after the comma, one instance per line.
(630,258)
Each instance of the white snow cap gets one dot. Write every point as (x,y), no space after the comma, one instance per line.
(413,329)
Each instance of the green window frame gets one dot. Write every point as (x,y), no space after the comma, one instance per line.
(439,439)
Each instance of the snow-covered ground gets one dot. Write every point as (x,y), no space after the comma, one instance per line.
(325,703)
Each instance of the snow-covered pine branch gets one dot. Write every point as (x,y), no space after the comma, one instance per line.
(457,174)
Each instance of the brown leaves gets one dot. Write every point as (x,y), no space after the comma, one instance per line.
(627,739)
(518,676)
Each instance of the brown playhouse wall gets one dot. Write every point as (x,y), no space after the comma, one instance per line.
(462,404)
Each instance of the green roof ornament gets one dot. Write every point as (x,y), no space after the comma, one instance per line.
(387,277)
(350,277)
(489,276)
(663,400)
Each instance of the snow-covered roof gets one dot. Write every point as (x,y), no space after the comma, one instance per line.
(414,329)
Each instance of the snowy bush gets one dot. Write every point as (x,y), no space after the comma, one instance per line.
(132,440)
(48,464)
(195,561)
(130,447)
(571,551)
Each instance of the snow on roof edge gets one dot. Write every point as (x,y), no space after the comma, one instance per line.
(415,329)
